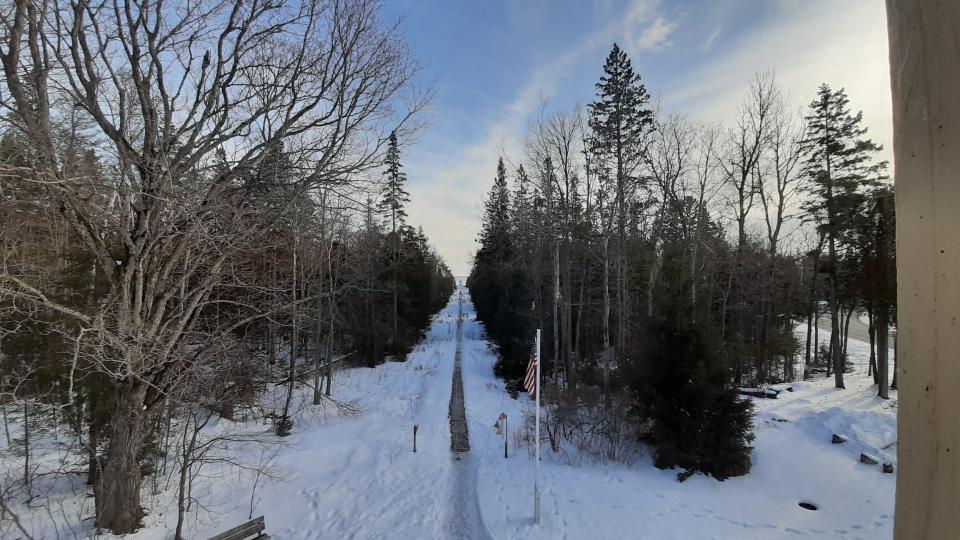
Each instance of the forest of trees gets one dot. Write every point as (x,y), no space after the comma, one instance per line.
(188,220)
(668,262)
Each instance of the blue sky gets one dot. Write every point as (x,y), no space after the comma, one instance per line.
(491,63)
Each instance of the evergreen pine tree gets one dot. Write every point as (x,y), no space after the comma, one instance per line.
(839,164)
(620,120)
(495,233)
(701,424)
(394,198)
(499,283)
(392,205)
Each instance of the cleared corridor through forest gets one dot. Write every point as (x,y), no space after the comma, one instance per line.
(463,518)
(459,435)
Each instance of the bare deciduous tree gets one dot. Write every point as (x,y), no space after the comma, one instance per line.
(189,99)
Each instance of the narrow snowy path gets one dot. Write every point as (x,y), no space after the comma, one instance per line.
(463,515)
(459,433)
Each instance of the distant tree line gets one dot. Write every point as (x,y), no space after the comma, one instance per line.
(198,202)
(668,262)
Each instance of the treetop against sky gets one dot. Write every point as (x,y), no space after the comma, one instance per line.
(494,66)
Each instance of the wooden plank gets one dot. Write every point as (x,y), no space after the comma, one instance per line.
(242,531)
(239,533)
(925,79)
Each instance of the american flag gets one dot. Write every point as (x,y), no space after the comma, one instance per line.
(530,381)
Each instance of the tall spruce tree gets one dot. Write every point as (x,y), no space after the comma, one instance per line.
(392,205)
(838,162)
(620,120)
(496,215)
(521,204)
(394,197)
(500,284)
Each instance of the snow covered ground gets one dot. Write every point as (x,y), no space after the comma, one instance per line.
(793,461)
(343,476)
(355,476)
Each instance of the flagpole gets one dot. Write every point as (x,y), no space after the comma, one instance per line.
(536,480)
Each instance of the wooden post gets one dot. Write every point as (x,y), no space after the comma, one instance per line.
(415,427)
(506,437)
(925,83)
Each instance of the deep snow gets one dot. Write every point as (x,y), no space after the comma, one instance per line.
(355,476)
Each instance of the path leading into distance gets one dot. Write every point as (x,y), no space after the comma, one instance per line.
(463,519)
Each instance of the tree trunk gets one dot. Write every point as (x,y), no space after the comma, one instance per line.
(578,333)
(816,334)
(883,371)
(814,308)
(556,308)
(606,293)
(829,358)
(883,309)
(396,316)
(185,465)
(836,356)
(93,460)
(567,310)
(846,334)
(622,304)
(285,423)
(118,488)
(331,312)
(872,332)
(168,425)
(621,253)
(3,406)
(652,278)
(272,326)
(329,375)
(810,323)
(27,484)
(317,355)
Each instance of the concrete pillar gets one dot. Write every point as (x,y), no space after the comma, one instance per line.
(925,79)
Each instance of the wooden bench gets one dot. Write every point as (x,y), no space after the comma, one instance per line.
(251,529)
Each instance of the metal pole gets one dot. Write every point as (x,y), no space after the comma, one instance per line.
(536,479)
(506,435)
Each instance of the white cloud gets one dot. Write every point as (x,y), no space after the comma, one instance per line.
(844,45)
(639,12)
(711,39)
(656,35)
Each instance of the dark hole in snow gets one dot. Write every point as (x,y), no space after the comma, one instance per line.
(808,506)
